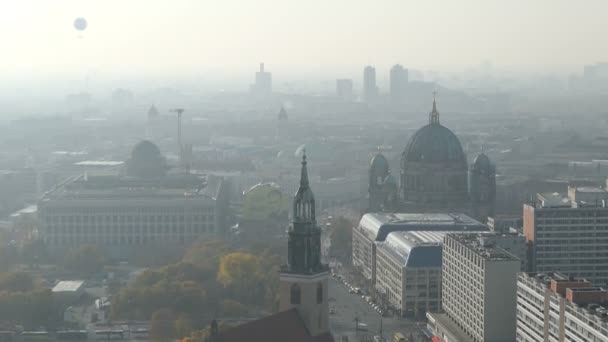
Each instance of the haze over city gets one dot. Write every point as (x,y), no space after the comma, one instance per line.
(306,171)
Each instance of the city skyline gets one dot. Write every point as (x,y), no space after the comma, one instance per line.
(182,36)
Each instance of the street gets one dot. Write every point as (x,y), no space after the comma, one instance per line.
(349,308)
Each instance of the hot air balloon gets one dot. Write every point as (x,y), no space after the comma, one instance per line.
(80,24)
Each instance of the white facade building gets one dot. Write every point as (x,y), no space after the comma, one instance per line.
(478,292)
(375,227)
(408,273)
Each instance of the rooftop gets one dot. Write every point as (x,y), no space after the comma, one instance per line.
(476,243)
(378,225)
(415,248)
(280,327)
(99,163)
(578,292)
(68,286)
(100,187)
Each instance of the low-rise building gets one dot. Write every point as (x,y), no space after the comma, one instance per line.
(67,291)
(408,273)
(558,308)
(478,292)
(375,227)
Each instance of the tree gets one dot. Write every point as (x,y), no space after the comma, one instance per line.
(183,326)
(162,326)
(33,251)
(341,237)
(249,278)
(86,259)
(233,308)
(17,282)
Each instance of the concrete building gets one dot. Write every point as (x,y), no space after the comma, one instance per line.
(569,234)
(408,271)
(478,292)
(67,291)
(375,227)
(263,83)
(344,89)
(124,213)
(398,84)
(552,307)
(370,88)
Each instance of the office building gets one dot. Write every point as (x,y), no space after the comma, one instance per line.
(398,84)
(552,307)
(569,233)
(408,272)
(344,89)
(370,88)
(145,206)
(478,292)
(375,227)
(263,83)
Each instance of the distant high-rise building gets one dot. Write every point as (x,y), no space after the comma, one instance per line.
(344,89)
(263,82)
(567,234)
(370,89)
(478,292)
(399,79)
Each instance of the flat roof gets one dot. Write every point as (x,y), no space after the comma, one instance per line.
(474,242)
(99,163)
(68,286)
(378,225)
(553,200)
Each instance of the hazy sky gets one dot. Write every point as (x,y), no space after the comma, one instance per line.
(297,35)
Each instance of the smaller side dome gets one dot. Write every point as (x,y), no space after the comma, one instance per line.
(282,114)
(482,162)
(153,112)
(146,161)
(379,164)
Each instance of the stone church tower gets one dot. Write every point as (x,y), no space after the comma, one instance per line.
(303,281)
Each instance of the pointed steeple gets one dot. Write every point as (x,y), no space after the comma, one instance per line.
(304,173)
(434,114)
(304,201)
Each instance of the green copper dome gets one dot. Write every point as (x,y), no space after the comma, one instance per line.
(434,143)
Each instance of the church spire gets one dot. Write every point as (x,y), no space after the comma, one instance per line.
(304,201)
(304,172)
(434,114)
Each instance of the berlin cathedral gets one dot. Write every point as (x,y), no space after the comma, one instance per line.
(434,177)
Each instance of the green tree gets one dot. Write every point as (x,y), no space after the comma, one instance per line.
(86,259)
(162,326)
(233,308)
(341,237)
(17,282)
(248,277)
(33,252)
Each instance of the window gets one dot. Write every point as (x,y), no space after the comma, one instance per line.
(319,293)
(295,294)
